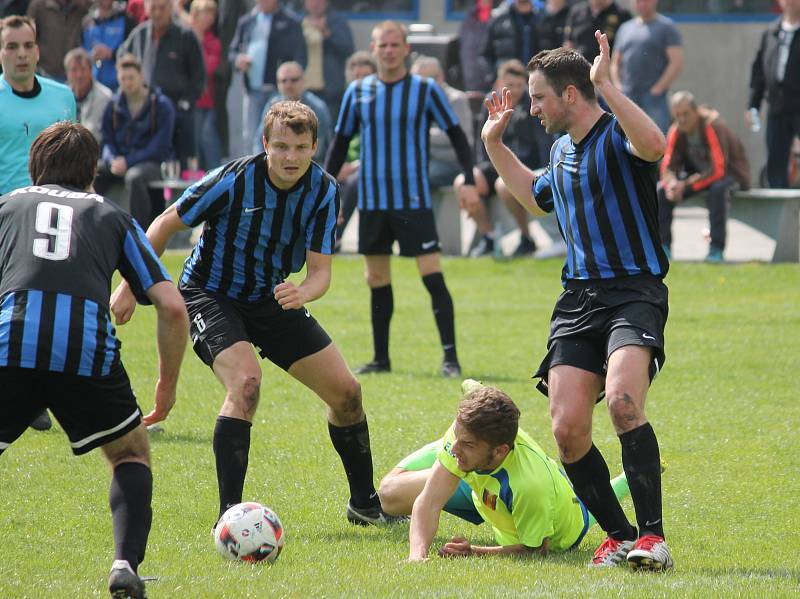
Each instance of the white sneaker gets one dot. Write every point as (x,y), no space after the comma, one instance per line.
(610,553)
(650,553)
(555,250)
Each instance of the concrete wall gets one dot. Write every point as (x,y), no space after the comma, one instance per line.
(717,71)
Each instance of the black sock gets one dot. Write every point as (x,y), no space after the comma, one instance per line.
(382,308)
(231,448)
(642,465)
(352,445)
(129,497)
(590,479)
(443,312)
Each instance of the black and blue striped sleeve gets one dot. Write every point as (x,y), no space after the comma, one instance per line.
(139,265)
(347,124)
(321,232)
(542,190)
(206,198)
(439,107)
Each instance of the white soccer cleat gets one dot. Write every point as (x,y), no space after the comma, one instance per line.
(610,553)
(650,553)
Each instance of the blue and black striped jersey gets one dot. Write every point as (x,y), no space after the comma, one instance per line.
(58,251)
(255,234)
(606,204)
(394,120)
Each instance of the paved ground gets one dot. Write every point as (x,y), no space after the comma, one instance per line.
(689,238)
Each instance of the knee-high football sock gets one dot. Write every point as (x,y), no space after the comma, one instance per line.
(382,307)
(131,513)
(642,463)
(231,449)
(352,445)
(442,304)
(589,476)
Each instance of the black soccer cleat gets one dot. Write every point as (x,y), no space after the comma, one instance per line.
(451,369)
(375,366)
(364,516)
(42,422)
(124,583)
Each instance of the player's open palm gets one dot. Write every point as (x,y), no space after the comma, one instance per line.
(601,68)
(500,107)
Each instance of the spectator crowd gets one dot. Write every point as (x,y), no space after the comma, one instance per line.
(150,80)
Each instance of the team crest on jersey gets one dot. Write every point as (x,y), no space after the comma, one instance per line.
(489,500)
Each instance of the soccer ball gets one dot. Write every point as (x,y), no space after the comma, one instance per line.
(249,532)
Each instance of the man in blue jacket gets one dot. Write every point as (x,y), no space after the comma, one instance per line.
(137,136)
(264,39)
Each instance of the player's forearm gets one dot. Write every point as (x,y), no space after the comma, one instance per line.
(424,524)
(646,138)
(517,177)
(315,284)
(502,550)
(670,74)
(172,331)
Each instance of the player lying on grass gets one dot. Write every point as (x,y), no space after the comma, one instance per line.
(486,469)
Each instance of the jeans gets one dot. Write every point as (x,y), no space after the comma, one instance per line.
(209,146)
(781,130)
(183,141)
(656,108)
(136,198)
(717,196)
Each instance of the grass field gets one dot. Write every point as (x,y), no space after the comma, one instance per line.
(726,410)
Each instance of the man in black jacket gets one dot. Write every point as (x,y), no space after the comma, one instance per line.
(776,74)
(172,60)
(512,33)
(264,39)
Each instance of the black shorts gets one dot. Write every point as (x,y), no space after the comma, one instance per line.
(592,319)
(282,336)
(489,173)
(414,230)
(91,410)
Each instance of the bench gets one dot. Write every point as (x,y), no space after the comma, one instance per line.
(773,212)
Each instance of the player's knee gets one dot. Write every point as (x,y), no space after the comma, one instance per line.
(349,405)
(245,391)
(388,494)
(571,438)
(375,279)
(625,412)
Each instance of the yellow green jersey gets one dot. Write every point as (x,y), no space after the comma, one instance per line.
(526,499)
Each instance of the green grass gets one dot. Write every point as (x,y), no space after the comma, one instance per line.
(726,410)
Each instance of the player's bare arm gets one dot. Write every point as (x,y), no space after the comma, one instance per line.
(314,286)
(646,138)
(427,507)
(166,224)
(172,332)
(517,177)
(461,547)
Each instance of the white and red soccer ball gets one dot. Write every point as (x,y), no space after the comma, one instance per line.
(249,532)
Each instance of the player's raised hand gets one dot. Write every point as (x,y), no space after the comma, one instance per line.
(457,547)
(601,68)
(500,107)
(289,296)
(123,303)
(165,399)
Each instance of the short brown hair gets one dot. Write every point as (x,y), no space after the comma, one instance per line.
(361,58)
(490,415)
(65,153)
(512,67)
(295,115)
(79,55)
(562,67)
(17,22)
(129,61)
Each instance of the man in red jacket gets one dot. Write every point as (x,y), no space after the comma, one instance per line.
(703,155)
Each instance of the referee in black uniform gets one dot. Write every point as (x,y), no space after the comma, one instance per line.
(59,246)
(392,111)
(607,329)
(265,217)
